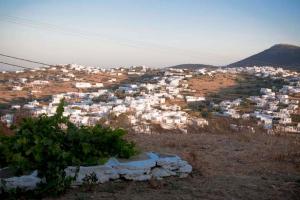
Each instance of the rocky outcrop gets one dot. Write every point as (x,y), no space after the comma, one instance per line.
(152,165)
(26,182)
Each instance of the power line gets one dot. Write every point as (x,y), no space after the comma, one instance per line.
(15,65)
(68,31)
(89,35)
(23,59)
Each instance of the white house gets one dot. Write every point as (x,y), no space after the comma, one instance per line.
(82,85)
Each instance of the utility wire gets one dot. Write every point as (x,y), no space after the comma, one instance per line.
(69,31)
(15,65)
(88,35)
(36,62)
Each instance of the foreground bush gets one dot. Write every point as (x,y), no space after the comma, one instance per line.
(50,144)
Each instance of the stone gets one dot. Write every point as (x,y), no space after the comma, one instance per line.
(159,172)
(141,168)
(139,164)
(26,182)
(137,170)
(143,177)
(103,173)
(112,162)
(183,175)
(185,169)
(171,162)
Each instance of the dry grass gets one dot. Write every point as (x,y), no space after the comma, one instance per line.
(18,118)
(225,167)
(288,157)
(205,85)
(54,86)
(4,130)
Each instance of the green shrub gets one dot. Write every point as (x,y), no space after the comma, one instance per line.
(50,144)
(89,181)
(3,151)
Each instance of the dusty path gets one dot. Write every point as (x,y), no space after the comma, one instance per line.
(226,166)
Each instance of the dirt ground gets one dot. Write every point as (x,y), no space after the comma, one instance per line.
(205,85)
(8,96)
(226,166)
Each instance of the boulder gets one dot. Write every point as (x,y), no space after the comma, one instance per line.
(159,173)
(141,168)
(185,169)
(27,182)
(103,173)
(142,177)
(171,162)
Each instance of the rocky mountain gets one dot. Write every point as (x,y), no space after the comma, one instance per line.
(280,55)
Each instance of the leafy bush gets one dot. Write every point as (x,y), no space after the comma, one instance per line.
(50,144)
(3,151)
(89,181)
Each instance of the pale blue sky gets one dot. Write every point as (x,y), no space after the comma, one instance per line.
(150,32)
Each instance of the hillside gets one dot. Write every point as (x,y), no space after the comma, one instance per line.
(280,55)
(193,66)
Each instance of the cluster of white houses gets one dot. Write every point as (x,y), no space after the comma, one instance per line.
(272,109)
(144,103)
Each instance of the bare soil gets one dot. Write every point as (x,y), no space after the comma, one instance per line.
(226,166)
(8,96)
(205,85)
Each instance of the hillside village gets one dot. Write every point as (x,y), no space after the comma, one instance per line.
(151,100)
(145,98)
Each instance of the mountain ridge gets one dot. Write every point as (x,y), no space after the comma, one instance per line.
(286,56)
(279,55)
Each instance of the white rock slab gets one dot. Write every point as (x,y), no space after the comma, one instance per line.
(153,165)
(27,182)
(103,173)
(159,173)
(171,162)
(185,169)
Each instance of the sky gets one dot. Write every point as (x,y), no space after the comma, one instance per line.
(155,33)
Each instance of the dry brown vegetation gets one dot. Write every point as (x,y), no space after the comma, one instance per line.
(205,85)
(226,166)
(8,96)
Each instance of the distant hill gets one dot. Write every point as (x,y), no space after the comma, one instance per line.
(280,55)
(193,66)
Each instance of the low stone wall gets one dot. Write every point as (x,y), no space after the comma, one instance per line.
(154,165)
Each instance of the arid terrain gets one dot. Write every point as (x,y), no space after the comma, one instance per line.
(150,100)
(208,85)
(232,157)
(226,166)
(55,86)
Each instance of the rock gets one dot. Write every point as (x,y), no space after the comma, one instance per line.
(103,173)
(144,177)
(27,182)
(184,175)
(171,162)
(141,168)
(137,170)
(185,169)
(133,172)
(6,172)
(139,164)
(159,172)
(112,162)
